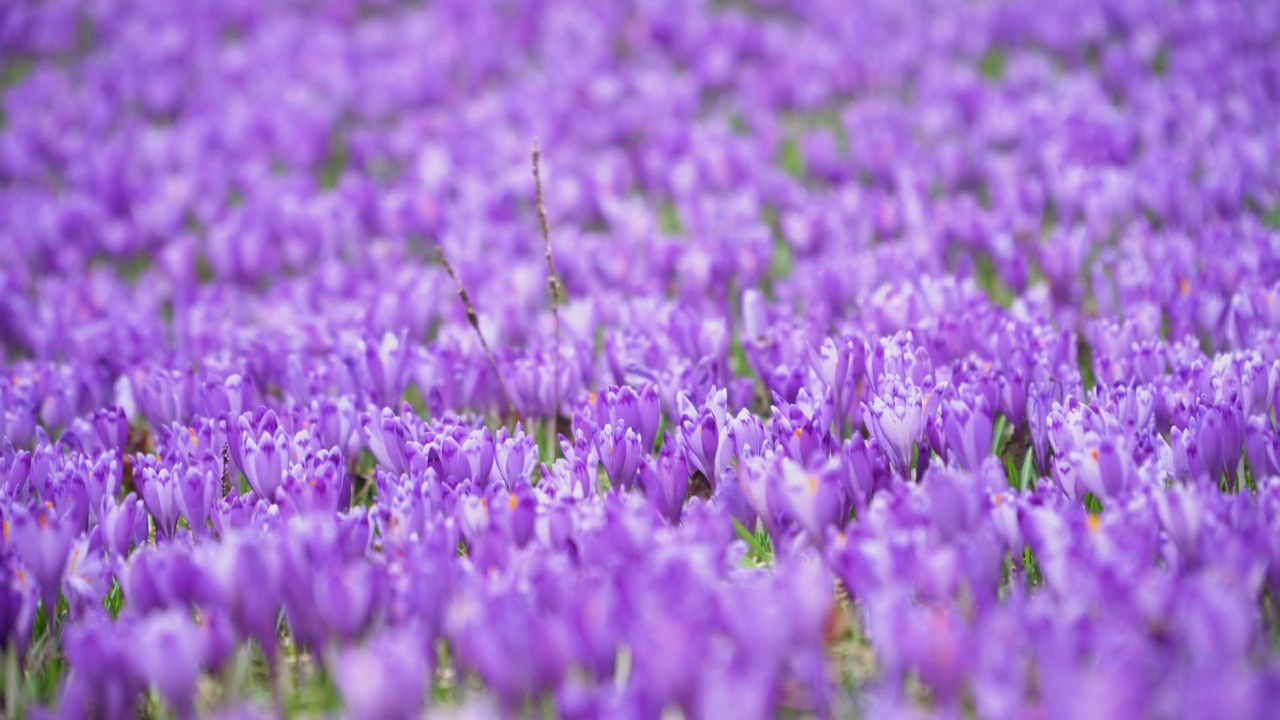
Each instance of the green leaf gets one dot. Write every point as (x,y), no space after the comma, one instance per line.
(997,437)
(1011,471)
(761,550)
(669,219)
(1092,503)
(791,159)
(1084,358)
(1034,577)
(1028,471)
(1272,218)
(993,63)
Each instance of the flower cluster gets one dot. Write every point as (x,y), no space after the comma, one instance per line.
(913,359)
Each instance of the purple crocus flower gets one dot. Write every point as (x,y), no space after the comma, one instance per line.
(42,540)
(699,435)
(247,571)
(639,411)
(489,629)
(386,436)
(755,322)
(336,423)
(471,459)
(1181,515)
(88,577)
(648,415)
(264,459)
(230,396)
(955,504)
(1107,470)
(166,576)
(103,681)
(346,598)
(249,426)
(19,600)
(167,651)
(516,514)
(329,593)
(813,498)
(160,490)
(235,512)
(866,470)
(197,491)
(1013,388)
(1263,446)
(896,420)
(386,676)
(744,437)
(1038,407)
(473,517)
(620,452)
(665,481)
(112,427)
(10,610)
(102,481)
(517,456)
(14,471)
(754,479)
(968,431)
(841,364)
(122,525)
(381,369)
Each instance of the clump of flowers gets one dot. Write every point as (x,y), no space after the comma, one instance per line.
(884,359)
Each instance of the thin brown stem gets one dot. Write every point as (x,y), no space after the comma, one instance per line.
(474,319)
(554,288)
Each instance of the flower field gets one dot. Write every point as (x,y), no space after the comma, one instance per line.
(640,359)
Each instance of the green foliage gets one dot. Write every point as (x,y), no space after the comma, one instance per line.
(669,221)
(413,396)
(1272,218)
(1032,566)
(336,163)
(12,72)
(114,601)
(999,434)
(1160,63)
(316,694)
(791,159)
(993,63)
(1027,478)
(204,270)
(989,279)
(759,545)
(1092,503)
(1084,358)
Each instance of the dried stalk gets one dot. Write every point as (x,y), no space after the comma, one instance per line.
(474,319)
(554,288)
(226,469)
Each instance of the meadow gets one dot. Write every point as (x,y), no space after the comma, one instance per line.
(640,359)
